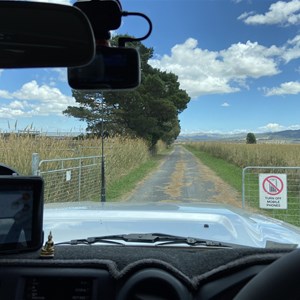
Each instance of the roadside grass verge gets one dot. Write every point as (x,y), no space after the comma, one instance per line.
(126,184)
(230,173)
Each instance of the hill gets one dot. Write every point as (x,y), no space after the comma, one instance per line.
(285,136)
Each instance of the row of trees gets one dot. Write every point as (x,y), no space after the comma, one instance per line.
(150,111)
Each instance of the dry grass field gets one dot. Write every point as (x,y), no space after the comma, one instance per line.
(121,154)
(244,155)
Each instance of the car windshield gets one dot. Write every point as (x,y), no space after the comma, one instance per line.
(207,146)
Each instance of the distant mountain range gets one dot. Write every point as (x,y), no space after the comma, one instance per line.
(288,136)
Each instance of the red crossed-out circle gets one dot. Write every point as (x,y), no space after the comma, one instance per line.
(278,189)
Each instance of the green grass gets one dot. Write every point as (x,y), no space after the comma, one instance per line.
(127,183)
(230,173)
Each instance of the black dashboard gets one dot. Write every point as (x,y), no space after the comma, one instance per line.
(117,272)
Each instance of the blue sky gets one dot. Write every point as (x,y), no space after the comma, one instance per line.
(239,60)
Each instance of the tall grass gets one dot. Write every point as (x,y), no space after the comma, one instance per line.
(127,160)
(121,154)
(243,155)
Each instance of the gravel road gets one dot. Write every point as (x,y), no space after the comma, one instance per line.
(182,177)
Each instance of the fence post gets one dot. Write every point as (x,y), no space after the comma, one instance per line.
(79,180)
(35,161)
(243,188)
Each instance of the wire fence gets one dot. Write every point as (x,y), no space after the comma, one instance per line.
(273,191)
(69,179)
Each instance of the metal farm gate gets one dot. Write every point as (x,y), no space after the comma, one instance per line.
(273,191)
(69,179)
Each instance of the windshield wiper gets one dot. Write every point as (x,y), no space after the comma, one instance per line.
(159,239)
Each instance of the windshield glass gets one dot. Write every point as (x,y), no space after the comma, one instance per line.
(207,146)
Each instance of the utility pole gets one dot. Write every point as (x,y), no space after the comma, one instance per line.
(103,191)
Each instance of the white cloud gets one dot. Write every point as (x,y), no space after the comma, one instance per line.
(294,127)
(245,15)
(201,71)
(225,104)
(284,13)
(286,88)
(18,104)
(292,49)
(5,94)
(6,112)
(250,60)
(33,99)
(272,127)
(198,70)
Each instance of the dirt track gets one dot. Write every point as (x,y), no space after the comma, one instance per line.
(182,177)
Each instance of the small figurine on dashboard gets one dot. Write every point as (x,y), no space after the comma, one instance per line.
(48,249)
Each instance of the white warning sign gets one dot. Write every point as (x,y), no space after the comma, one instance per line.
(272,191)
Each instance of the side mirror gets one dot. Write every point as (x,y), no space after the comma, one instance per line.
(111,69)
(44,35)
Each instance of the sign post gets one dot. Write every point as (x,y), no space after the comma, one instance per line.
(272,191)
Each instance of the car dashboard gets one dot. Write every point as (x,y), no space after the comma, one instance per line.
(129,272)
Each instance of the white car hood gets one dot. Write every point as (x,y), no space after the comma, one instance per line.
(78,220)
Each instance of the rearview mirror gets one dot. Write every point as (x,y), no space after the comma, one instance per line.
(112,69)
(44,35)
